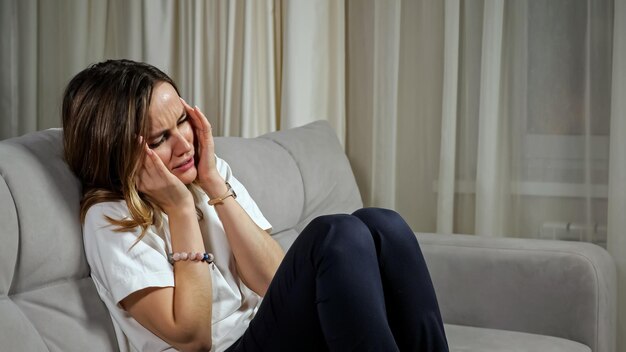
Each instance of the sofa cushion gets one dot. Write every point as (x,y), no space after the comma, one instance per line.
(554,288)
(47,300)
(329,184)
(10,237)
(294,175)
(472,339)
(46,198)
(268,172)
(84,321)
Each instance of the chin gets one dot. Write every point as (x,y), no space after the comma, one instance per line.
(188,177)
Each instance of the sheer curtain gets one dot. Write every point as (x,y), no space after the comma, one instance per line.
(221,53)
(617,164)
(314,57)
(501,120)
(43,43)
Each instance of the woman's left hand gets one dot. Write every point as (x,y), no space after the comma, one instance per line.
(208,177)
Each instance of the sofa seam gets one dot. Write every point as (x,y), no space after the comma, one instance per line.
(19,237)
(587,259)
(30,323)
(57,282)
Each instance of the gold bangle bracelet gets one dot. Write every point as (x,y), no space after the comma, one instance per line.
(219,200)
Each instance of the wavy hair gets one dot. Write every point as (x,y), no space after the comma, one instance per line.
(105,109)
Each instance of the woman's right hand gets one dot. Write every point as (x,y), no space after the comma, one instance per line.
(163,187)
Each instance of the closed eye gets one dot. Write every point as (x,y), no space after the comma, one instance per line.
(184,118)
(158,142)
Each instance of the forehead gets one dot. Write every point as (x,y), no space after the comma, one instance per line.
(165,107)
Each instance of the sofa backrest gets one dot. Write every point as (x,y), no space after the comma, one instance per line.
(294,175)
(48,301)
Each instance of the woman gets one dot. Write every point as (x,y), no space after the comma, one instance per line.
(181,254)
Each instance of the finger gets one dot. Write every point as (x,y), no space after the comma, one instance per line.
(146,165)
(193,118)
(198,120)
(139,184)
(143,180)
(188,108)
(205,122)
(207,135)
(154,175)
(158,168)
(149,164)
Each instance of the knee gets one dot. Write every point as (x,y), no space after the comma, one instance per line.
(340,221)
(386,222)
(343,232)
(380,218)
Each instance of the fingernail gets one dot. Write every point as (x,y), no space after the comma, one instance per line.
(183,100)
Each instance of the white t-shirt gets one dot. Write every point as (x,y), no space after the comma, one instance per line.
(119,270)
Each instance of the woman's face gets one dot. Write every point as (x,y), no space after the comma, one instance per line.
(171,135)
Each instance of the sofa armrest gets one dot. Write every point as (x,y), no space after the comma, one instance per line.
(556,288)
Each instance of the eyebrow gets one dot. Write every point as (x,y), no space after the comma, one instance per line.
(160,133)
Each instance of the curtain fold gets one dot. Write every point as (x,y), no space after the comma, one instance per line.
(447,156)
(490,183)
(502,118)
(386,59)
(313,64)
(221,54)
(36,59)
(617,177)
(18,23)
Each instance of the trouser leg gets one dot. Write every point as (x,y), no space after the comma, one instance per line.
(326,295)
(412,308)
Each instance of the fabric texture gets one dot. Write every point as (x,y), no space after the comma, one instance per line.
(47,300)
(616,221)
(119,267)
(570,286)
(508,117)
(467,338)
(223,55)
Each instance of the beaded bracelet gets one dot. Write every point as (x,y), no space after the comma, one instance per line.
(191,256)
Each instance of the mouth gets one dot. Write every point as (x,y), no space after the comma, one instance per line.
(185,165)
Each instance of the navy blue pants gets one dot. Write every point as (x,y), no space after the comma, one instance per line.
(350,283)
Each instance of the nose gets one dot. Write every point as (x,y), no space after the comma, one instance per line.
(183,145)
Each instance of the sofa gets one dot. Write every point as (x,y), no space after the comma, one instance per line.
(495,294)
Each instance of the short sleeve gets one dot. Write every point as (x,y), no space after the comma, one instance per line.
(117,260)
(243,197)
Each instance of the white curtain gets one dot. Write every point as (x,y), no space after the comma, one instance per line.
(493,117)
(617,164)
(394,79)
(313,75)
(38,55)
(221,53)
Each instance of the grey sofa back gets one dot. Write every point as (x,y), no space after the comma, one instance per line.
(48,301)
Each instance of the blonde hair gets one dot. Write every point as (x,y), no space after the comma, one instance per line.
(105,109)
